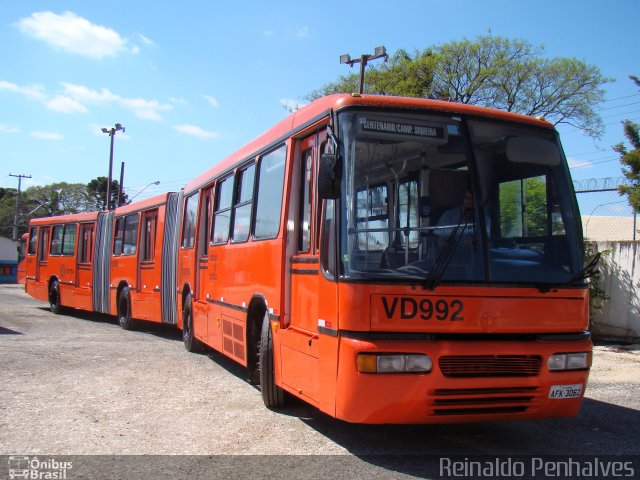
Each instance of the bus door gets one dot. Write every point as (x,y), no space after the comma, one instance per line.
(41,268)
(84,266)
(311,298)
(148,281)
(205,277)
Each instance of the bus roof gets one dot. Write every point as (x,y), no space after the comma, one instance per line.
(143,204)
(72,218)
(317,109)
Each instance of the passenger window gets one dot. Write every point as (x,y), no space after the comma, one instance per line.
(86,244)
(148,235)
(306,170)
(33,240)
(243,203)
(126,235)
(69,240)
(189,221)
(56,240)
(373,219)
(222,216)
(269,199)
(523,208)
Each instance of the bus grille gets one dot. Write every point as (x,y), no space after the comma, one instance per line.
(490,366)
(484,401)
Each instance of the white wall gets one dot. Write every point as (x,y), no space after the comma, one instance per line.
(619,317)
(8,249)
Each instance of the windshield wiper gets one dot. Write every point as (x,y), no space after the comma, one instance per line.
(587,272)
(447,253)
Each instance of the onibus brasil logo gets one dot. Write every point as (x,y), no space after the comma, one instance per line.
(37,469)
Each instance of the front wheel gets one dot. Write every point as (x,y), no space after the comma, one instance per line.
(54,297)
(124,310)
(272,395)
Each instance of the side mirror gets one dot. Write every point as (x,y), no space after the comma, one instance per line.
(329,176)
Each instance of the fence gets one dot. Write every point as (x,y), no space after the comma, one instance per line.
(609,222)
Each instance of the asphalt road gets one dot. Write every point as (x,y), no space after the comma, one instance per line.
(76,384)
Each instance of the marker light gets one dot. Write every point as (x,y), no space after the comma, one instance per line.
(394,363)
(568,361)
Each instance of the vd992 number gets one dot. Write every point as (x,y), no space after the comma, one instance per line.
(424,309)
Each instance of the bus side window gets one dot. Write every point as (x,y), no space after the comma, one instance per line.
(304,240)
(222,215)
(148,235)
(204,224)
(44,244)
(56,240)
(85,247)
(243,203)
(33,240)
(69,240)
(189,221)
(269,196)
(328,242)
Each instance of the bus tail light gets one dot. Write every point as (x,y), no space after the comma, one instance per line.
(568,361)
(394,363)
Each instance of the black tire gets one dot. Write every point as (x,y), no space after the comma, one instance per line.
(54,298)
(272,395)
(124,310)
(191,343)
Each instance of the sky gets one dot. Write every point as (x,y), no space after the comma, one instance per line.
(193,81)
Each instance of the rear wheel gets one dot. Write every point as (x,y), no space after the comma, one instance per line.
(191,343)
(54,297)
(124,310)
(272,395)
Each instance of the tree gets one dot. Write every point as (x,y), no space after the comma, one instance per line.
(7,211)
(490,71)
(97,190)
(630,160)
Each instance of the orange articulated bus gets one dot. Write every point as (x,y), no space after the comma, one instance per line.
(385,259)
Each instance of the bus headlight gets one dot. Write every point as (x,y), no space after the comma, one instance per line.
(568,361)
(394,363)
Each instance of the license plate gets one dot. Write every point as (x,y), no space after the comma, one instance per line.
(560,392)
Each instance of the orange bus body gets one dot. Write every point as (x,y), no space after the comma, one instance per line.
(330,299)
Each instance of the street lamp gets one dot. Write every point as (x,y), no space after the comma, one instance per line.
(379,52)
(157,182)
(112,133)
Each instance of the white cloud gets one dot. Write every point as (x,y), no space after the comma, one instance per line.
(75,98)
(8,129)
(32,92)
(196,131)
(74,34)
(64,104)
(142,108)
(212,101)
(146,40)
(46,135)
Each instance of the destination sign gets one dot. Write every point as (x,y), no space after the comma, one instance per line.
(400,128)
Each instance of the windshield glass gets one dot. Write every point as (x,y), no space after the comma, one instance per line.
(413,208)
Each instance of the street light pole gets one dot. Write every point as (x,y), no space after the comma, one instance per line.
(379,52)
(112,133)
(157,182)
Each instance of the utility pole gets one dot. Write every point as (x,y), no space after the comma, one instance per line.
(15,215)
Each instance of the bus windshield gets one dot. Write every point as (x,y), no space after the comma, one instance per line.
(424,199)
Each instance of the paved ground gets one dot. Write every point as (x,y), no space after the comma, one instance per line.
(77,384)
